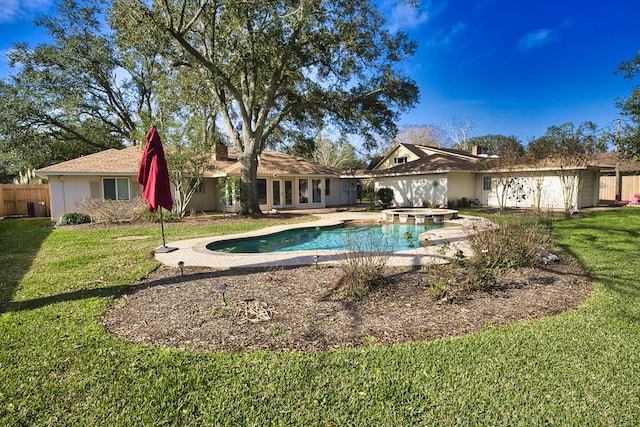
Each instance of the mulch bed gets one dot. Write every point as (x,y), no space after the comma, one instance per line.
(300,309)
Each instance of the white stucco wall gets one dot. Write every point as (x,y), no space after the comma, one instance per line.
(205,200)
(461,185)
(522,192)
(415,190)
(333,199)
(68,190)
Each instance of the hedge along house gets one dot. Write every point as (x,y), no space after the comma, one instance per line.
(284,181)
(430,176)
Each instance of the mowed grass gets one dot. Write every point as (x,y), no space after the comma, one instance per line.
(59,367)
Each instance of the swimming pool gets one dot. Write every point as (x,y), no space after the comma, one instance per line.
(365,238)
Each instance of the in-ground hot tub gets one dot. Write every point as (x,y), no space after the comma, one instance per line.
(419,215)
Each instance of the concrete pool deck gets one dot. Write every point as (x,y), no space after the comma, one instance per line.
(193,252)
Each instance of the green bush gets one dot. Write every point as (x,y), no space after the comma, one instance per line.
(385,195)
(74,218)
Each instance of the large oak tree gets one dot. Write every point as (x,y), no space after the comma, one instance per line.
(277,67)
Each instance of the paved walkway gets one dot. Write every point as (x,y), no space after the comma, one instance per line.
(193,252)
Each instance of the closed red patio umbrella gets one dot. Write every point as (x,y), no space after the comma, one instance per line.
(153,174)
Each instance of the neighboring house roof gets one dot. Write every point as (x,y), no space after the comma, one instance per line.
(628,166)
(127,162)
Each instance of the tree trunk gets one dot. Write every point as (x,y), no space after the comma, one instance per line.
(248,184)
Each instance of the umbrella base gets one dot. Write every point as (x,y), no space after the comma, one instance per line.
(165,249)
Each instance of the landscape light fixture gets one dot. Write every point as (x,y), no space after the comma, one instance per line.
(181,267)
(223,289)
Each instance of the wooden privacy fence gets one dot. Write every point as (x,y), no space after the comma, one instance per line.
(630,186)
(30,200)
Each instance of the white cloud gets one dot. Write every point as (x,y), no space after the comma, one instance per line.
(15,10)
(537,38)
(443,39)
(406,15)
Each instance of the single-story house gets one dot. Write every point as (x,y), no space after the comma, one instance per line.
(432,176)
(284,181)
(419,175)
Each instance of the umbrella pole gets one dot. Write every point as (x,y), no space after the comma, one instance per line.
(162,227)
(163,249)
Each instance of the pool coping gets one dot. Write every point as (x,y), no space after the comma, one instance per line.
(193,252)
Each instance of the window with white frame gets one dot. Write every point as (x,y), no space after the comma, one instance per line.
(116,189)
(316,194)
(310,191)
(486,183)
(262,191)
(303,191)
(400,160)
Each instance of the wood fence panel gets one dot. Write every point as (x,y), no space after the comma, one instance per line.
(25,200)
(630,186)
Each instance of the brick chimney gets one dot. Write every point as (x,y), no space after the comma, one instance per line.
(475,150)
(221,152)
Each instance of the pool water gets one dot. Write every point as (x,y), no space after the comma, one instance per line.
(362,238)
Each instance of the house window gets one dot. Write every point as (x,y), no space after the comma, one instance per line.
(288,193)
(486,183)
(199,188)
(303,191)
(262,191)
(315,190)
(327,187)
(316,185)
(400,160)
(115,188)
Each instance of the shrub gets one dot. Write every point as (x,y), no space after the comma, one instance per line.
(118,211)
(517,243)
(147,216)
(364,263)
(385,195)
(514,244)
(74,218)
(113,211)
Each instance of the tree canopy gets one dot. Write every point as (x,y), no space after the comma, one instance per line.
(568,142)
(427,134)
(281,67)
(500,145)
(66,98)
(629,142)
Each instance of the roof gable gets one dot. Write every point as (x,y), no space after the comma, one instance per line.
(421,153)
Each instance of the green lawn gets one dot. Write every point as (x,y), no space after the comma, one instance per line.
(59,367)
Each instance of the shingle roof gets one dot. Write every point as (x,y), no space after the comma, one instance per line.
(626,165)
(112,161)
(433,163)
(127,162)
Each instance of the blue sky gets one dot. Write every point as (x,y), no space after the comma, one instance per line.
(512,67)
